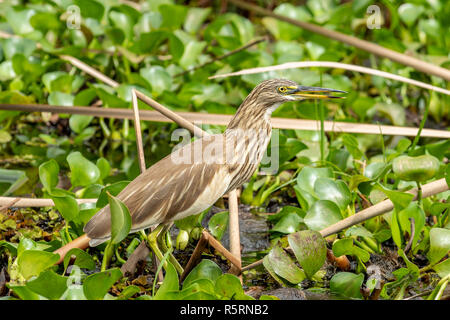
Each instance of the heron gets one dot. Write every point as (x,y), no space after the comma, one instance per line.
(192,178)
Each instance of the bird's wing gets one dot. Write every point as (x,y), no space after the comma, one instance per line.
(167,191)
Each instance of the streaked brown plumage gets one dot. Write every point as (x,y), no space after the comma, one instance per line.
(195,176)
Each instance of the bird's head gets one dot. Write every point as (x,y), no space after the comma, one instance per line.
(273,92)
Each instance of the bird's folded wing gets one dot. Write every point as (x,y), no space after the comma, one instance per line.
(169,190)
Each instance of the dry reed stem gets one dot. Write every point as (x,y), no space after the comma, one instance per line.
(223,119)
(353,41)
(235,242)
(336,65)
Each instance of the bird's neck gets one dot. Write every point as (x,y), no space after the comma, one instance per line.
(250,116)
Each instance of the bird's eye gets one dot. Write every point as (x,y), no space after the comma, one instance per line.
(282,89)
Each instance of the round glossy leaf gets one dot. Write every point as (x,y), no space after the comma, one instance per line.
(82,259)
(48,174)
(120,219)
(97,285)
(439,244)
(310,249)
(206,269)
(336,191)
(104,167)
(229,286)
(420,168)
(114,189)
(48,284)
(83,172)
(78,122)
(347,284)
(308,176)
(282,265)
(409,13)
(33,262)
(218,224)
(322,214)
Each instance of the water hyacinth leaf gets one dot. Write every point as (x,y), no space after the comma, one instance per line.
(443,268)
(420,168)
(83,171)
(400,199)
(439,244)
(347,284)
(66,204)
(11,180)
(284,266)
(229,286)
(218,224)
(128,292)
(336,191)
(48,174)
(120,219)
(413,211)
(114,189)
(304,198)
(308,176)
(173,16)
(206,269)
(351,144)
(359,231)
(409,13)
(346,247)
(90,8)
(97,285)
(24,293)
(33,262)
(159,79)
(289,223)
(82,259)
(285,211)
(170,283)
(195,18)
(104,167)
(322,214)
(310,249)
(49,285)
(57,98)
(78,122)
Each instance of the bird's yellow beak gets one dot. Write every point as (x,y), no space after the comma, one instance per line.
(313,93)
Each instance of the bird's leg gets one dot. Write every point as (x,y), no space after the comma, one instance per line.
(153,241)
(162,241)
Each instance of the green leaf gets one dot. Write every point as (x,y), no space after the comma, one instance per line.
(409,13)
(83,172)
(443,268)
(49,285)
(336,191)
(48,174)
(82,259)
(78,122)
(351,144)
(66,204)
(159,79)
(97,285)
(345,246)
(33,262)
(173,15)
(218,224)
(283,266)
(400,199)
(120,219)
(114,189)
(420,168)
(229,286)
(90,8)
(347,284)
(308,176)
(170,283)
(104,167)
(288,223)
(439,244)
(14,178)
(195,18)
(412,211)
(206,269)
(57,98)
(310,249)
(322,214)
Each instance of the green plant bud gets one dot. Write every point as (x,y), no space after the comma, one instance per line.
(196,233)
(168,240)
(419,168)
(182,240)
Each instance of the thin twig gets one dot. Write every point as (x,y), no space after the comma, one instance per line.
(223,119)
(226,55)
(137,128)
(353,41)
(195,256)
(336,65)
(19,202)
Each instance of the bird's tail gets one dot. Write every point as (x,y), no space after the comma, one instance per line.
(98,229)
